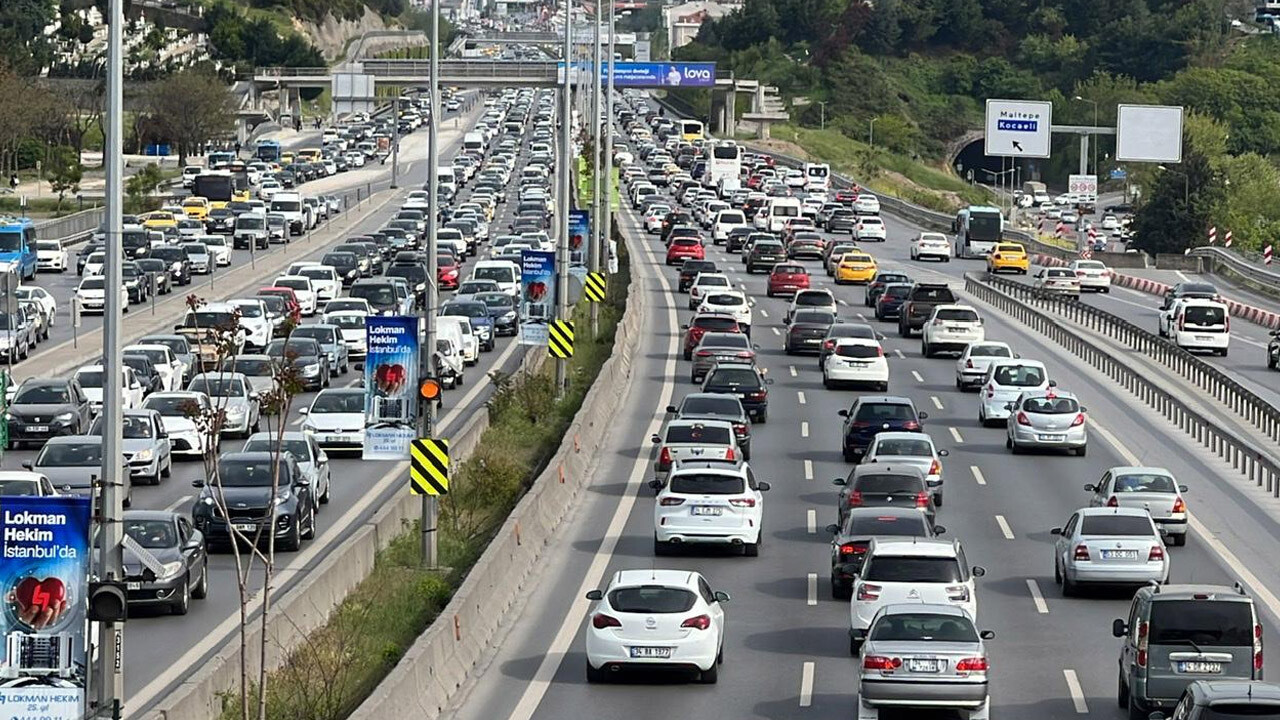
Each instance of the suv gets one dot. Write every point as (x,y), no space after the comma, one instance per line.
(951,328)
(919,305)
(1209,699)
(745,381)
(717,406)
(1176,633)
(708,501)
(851,538)
(871,414)
(764,255)
(44,408)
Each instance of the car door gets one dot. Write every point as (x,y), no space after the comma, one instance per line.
(192,552)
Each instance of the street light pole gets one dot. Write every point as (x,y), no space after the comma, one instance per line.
(823,105)
(426,353)
(607,235)
(566,165)
(597,206)
(1094,151)
(871,132)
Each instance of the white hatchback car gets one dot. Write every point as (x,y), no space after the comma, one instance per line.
(656,618)
(951,328)
(1093,275)
(1004,382)
(856,360)
(870,228)
(707,282)
(729,302)
(708,502)
(972,364)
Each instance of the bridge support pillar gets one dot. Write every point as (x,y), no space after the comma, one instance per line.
(730,121)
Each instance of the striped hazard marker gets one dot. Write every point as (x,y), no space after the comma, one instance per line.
(560,339)
(429,466)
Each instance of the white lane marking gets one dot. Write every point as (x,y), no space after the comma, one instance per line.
(1181,276)
(764,313)
(977,475)
(808,469)
(804,429)
(917,376)
(936,402)
(1077,693)
(298,420)
(742,285)
(811,521)
(178,503)
(775,331)
(1037,597)
(800,397)
(955,435)
(806,684)
(842,302)
(898,352)
(793,370)
(813,588)
(1207,536)
(862,317)
(1004,527)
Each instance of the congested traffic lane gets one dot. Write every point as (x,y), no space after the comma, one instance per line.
(786,642)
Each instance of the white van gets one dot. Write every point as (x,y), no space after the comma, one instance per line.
(776,213)
(503,272)
(1197,324)
(474,141)
(817,176)
(447,182)
(448,357)
(469,342)
(725,221)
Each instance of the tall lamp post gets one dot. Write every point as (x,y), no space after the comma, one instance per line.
(823,105)
(871,132)
(1186,185)
(1094,103)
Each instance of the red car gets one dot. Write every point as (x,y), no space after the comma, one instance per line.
(685,248)
(847,196)
(787,278)
(290,299)
(447,272)
(704,323)
(754,182)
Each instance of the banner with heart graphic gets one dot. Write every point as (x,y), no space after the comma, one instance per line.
(390,386)
(44,570)
(537,295)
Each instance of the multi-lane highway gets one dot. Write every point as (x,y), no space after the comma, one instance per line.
(786,647)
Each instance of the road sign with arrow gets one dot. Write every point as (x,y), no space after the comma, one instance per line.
(1018,128)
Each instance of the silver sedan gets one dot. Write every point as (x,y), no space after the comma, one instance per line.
(1047,419)
(1108,546)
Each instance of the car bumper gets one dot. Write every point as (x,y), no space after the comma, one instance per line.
(148,468)
(159,592)
(869,374)
(216,530)
(923,693)
(24,432)
(695,534)
(1202,341)
(782,288)
(696,652)
(996,267)
(1172,526)
(1120,574)
(855,276)
(1030,437)
(1095,283)
(186,443)
(804,344)
(339,439)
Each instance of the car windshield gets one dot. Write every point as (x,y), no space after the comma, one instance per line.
(924,628)
(218,387)
(299,449)
(1203,622)
(1019,375)
(956,315)
(1050,405)
(707,484)
(989,351)
(70,455)
(319,334)
(904,446)
(209,319)
(151,534)
(346,322)
(251,473)
(173,405)
(879,412)
(42,395)
(377,295)
(135,428)
(651,599)
(470,310)
(699,434)
(734,377)
(912,525)
(1128,525)
(338,403)
(1145,482)
(497,274)
(913,570)
(19,487)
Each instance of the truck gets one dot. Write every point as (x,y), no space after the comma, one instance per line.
(18,247)
(1037,191)
(978,228)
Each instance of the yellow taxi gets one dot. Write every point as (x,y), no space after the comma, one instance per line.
(286,159)
(159,220)
(196,208)
(1007,256)
(855,267)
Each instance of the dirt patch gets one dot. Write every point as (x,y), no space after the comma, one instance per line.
(782,147)
(332,35)
(952,199)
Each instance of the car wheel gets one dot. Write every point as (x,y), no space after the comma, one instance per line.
(294,541)
(751,549)
(855,645)
(1178,540)
(841,591)
(1122,692)
(202,588)
(1136,711)
(1057,574)
(710,675)
(849,455)
(183,604)
(903,331)
(310,532)
(1081,450)
(1068,585)
(937,500)
(826,382)
(596,675)
(924,349)
(128,498)
(688,354)
(167,470)
(763,417)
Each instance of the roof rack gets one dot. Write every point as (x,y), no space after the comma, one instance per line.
(1239,587)
(1155,586)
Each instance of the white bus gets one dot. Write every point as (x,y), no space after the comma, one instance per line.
(724,161)
(978,228)
(817,176)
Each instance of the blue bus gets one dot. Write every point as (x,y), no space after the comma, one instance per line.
(267,150)
(18,246)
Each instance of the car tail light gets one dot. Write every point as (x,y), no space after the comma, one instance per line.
(1157,553)
(671,501)
(991,391)
(704,353)
(601,621)
(880,662)
(746,355)
(853,549)
(1081,552)
(969,363)
(664,458)
(862,424)
(935,468)
(1080,273)
(1113,501)
(758,395)
(978,664)
(1143,631)
(879,352)
(698,622)
(1023,419)
(1079,420)
(739,429)
(958,593)
(855,498)
(1181,318)
(1257,646)
(729,454)
(1179,506)
(922,499)
(742,502)
(1227,320)
(868,592)
(911,425)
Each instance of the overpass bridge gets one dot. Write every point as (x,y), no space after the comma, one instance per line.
(418,72)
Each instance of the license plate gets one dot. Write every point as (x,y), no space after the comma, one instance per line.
(1199,667)
(331,438)
(930,665)
(37,428)
(1204,338)
(650,652)
(707,510)
(133,586)
(245,527)
(1119,554)
(1052,438)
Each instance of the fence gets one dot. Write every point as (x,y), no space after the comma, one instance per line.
(71,228)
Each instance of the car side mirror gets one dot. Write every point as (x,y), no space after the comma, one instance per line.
(197,483)
(28,465)
(923,415)
(655,484)
(979,571)
(1182,488)
(192,544)
(1053,383)
(1056,531)
(303,411)
(177,327)
(939,530)
(655,439)
(1119,628)
(595,595)
(763,486)
(768,381)
(1090,487)
(843,413)
(721,596)
(1009,406)
(833,528)
(987,634)
(944,453)
(839,482)
(671,408)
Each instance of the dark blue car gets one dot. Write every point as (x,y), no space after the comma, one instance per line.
(478,313)
(872,414)
(889,301)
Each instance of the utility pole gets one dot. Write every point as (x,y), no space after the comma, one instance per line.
(566,165)
(597,205)
(109,671)
(607,212)
(395,143)
(428,348)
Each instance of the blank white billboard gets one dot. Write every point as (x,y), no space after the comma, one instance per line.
(1149,133)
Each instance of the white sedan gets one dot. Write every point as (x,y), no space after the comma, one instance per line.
(653,218)
(856,360)
(1093,275)
(870,228)
(657,619)
(931,245)
(51,255)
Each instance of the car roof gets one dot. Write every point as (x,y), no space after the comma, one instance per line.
(884,399)
(879,468)
(1121,511)
(150,515)
(703,466)
(912,546)
(1049,393)
(1237,691)
(1137,469)
(287,435)
(1189,591)
(902,435)
(675,578)
(930,608)
(75,440)
(256,456)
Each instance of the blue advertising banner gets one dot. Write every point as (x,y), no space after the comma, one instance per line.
(655,74)
(390,387)
(579,237)
(44,573)
(537,295)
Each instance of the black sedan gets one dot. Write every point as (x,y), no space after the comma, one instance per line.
(849,542)
(177,568)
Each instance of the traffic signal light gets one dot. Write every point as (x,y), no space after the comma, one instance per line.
(108,601)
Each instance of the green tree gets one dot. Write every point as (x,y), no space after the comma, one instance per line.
(64,171)
(192,107)
(1184,200)
(140,186)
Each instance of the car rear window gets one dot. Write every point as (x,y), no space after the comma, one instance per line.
(711,404)
(1019,375)
(933,294)
(651,599)
(904,446)
(686,242)
(817,317)
(858,351)
(726,340)
(886,483)
(791,269)
(924,628)
(725,299)
(813,299)
(913,570)
(1051,406)
(1203,622)
(714,281)
(913,525)
(1200,315)
(707,435)
(885,411)
(716,323)
(735,377)
(707,484)
(957,315)
(1130,525)
(1144,482)
(989,351)
(897,291)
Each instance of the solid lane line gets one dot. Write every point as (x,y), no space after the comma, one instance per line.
(937,404)
(804,429)
(1004,527)
(955,435)
(178,503)
(1037,597)
(806,684)
(808,469)
(813,588)
(1077,693)
(977,475)
(800,397)
(917,376)
(811,521)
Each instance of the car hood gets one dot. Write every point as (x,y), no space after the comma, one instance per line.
(334,421)
(75,477)
(242,498)
(134,445)
(176,424)
(133,565)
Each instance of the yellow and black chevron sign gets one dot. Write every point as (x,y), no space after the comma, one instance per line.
(429,466)
(560,339)
(595,286)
